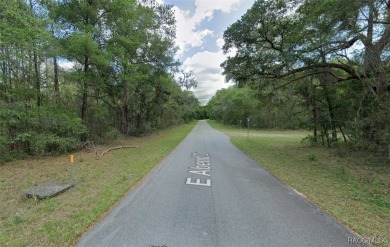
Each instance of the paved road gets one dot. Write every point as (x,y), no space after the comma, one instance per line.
(208,193)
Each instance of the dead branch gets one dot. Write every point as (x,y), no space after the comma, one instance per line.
(82,146)
(114,148)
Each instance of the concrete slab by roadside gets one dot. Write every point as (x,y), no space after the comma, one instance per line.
(48,190)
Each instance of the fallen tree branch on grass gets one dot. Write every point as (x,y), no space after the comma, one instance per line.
(114,148)
(82,146)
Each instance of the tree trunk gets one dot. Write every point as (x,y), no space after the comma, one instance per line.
(141,114)
(331,111)
(313,102)
(342,132)
(37,80)
(84,104)
(324,81)
(125,111)
(56,81)
(373,64)
(325,129)
(322,135)
(4,78)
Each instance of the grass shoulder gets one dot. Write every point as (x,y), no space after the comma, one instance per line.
(353,187)
(100,183)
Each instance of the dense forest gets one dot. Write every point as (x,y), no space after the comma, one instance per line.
(123,78)
(317,64)
(322,65)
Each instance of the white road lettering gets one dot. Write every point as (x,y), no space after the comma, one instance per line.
(202,172)
(197,182)
(202,167)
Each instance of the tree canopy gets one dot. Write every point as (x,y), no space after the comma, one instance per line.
(335,52)
(122,80)
(282,39)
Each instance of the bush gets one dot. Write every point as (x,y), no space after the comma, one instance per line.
(112,134)
(41,144)
(37,131)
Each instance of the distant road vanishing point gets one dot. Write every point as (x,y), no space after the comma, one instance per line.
(208,193)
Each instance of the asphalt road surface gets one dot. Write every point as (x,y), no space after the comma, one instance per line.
(208,193)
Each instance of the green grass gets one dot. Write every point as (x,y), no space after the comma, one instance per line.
(354,187)
(100,183)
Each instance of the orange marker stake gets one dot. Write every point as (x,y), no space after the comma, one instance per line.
(73,175)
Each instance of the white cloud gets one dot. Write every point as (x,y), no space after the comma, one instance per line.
(187,34)
(220,42)
(205,65)
(225,6)
(207,71)
(67,65)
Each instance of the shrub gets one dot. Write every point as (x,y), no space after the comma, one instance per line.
(37,131)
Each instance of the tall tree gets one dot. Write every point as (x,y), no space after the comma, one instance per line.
(142,50)
(343,40)
(83,43)
(121,82)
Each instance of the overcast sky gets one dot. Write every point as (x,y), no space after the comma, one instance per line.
(200,26)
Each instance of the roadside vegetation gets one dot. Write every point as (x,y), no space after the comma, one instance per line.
(354,187)
(318,65)
(100,183)
(322,67)
(73,72)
